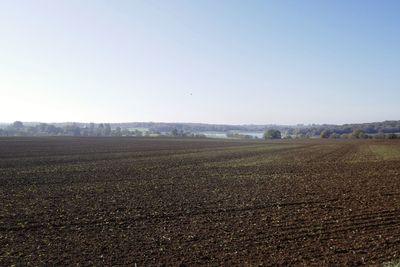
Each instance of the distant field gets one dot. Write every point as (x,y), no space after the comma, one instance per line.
(121,201)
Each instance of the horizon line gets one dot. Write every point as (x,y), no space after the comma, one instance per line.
(204,123)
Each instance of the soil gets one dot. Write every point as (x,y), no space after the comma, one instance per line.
(152,202)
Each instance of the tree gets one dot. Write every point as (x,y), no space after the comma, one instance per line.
(100,130)
(175,132)
(18,125)
(76,131)
(91,129)
(325,134)
(272,134)
(70,130)
(359,134)
(334,136)
(290,131)
(380,135)
(118,131)
(107,129)
(138,133)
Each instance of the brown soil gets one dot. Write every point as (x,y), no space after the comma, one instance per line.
(121,201)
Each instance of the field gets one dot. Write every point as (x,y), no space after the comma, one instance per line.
(127,201)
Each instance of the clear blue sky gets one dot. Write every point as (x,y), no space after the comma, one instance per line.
(234,62)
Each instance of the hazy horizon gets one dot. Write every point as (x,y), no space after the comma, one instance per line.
(188,122)
(225,62)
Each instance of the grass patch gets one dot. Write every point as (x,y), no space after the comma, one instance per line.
(395,263)
(251,156)
(386,152)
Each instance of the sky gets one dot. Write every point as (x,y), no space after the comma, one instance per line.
(232,62)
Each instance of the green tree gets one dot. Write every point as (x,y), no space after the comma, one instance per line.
(334,136)
(272,134)
(379,135)
(325,134)
(359,134)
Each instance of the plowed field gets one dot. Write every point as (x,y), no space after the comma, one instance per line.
(127,201)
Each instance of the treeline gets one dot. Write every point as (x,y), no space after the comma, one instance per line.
(184,127)
(327,133)
(73,129)
(91,129)
(45,129)
(378,130)
(386,129)
(300,129)
(359,134)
